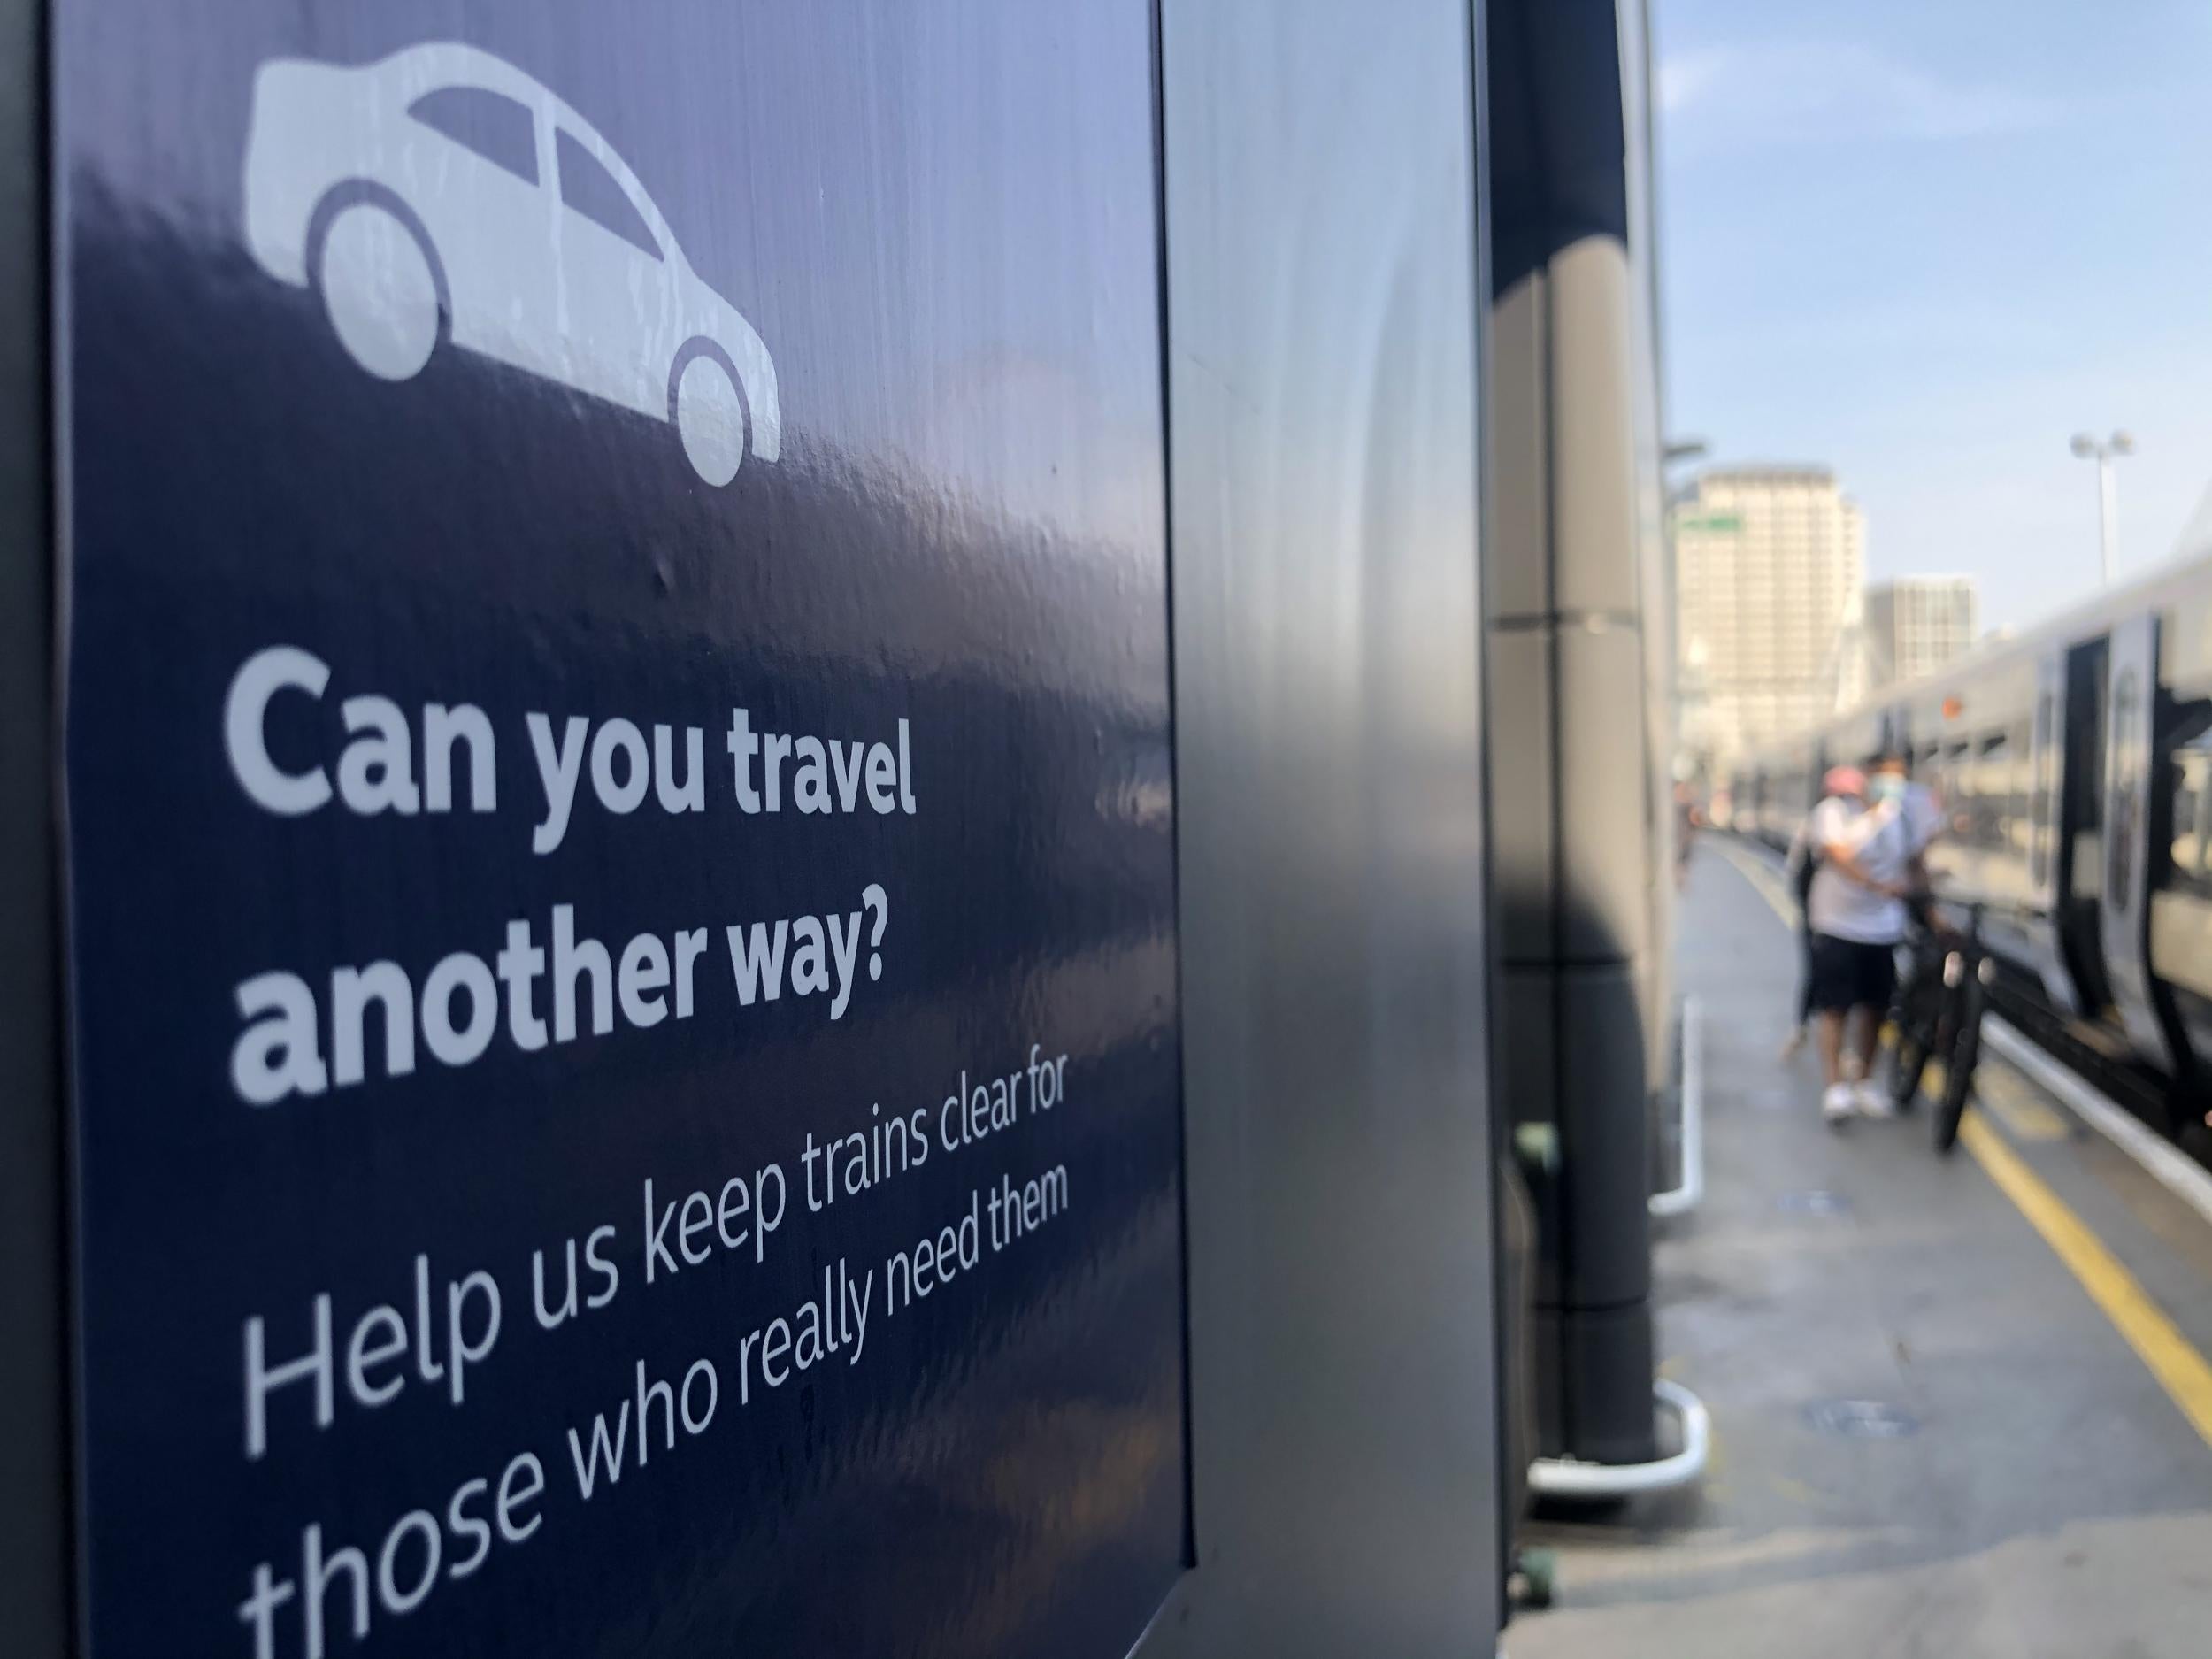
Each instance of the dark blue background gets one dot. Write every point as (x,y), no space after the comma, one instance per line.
(942,220)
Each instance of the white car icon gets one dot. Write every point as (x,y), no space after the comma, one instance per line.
(443,194)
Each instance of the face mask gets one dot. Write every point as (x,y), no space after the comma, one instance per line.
(1886,786)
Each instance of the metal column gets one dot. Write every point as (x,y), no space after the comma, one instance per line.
(1573,736)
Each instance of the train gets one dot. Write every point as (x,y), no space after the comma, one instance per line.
(2073,764)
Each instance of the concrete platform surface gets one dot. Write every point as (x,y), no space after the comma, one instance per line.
(1934,1434)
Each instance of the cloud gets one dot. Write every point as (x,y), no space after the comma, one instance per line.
(1812,92)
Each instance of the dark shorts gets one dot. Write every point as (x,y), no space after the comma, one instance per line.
(1847,974)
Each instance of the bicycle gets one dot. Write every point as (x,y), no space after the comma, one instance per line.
(1937,1013)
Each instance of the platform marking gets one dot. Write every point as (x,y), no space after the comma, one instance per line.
(1761,881)
(2026,1118)
(2180,1369)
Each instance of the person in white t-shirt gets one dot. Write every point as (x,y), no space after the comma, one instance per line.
(1856,907)
(1801,864)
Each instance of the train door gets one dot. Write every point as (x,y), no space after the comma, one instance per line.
(2077,877)
(2130,730)
(2046,757)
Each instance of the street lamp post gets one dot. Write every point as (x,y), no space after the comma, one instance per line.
(2108,491)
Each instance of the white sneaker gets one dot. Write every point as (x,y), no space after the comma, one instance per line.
(1873,1103)
(1792,1043)
(1839,1104)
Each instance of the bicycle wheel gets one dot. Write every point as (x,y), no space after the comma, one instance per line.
(1958,1075)
(1907,1059)
(1913,1019)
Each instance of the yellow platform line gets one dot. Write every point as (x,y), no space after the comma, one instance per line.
(2026,1118)
(1762,880)
(2180,1369)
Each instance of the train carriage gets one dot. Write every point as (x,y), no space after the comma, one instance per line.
(2074,767)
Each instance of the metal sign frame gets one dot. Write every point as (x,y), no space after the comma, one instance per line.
(1322,246)
(34,1538)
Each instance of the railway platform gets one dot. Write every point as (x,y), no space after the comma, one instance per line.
(1960,1407)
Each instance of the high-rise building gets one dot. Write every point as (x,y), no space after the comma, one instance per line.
(1916,624)
(1767,570)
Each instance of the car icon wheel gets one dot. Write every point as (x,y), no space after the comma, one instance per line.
(378,290)
(709,416)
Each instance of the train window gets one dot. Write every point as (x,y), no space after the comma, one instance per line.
(1957,774)
(2187,868)
(1927,770)
(2020,813)
(2085,713)
(1992,791)
(2038,760)
(2123,824)
(2190,772)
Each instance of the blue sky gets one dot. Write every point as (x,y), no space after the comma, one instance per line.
(1924,243)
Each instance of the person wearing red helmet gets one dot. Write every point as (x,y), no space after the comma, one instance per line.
(1838,782)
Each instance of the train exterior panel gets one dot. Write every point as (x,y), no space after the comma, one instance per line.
(2181,907)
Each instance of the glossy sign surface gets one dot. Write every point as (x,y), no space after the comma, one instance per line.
(620,828)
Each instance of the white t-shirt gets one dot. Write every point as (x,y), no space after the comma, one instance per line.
(1880,843)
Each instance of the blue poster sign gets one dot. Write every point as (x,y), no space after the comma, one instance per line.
(620,828)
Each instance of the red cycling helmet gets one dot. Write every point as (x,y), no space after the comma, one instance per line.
(1843,780)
